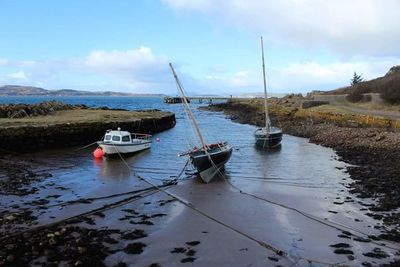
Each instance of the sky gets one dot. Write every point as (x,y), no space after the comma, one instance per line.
(214,45)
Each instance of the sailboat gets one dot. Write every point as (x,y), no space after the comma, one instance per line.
(210,158)
(268,136)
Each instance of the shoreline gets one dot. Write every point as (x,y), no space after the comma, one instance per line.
(373,150)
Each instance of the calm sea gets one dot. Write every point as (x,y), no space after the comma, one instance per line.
(131,103)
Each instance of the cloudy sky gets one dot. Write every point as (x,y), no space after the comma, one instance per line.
(124,45)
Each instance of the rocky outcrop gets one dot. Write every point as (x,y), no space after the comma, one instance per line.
(393,70)
(27,110)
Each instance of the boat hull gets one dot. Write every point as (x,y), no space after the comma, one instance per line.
(268,140)
(209,164)
(112,149)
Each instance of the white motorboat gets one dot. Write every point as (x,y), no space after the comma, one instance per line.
(123,142)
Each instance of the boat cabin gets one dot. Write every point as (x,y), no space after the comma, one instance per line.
(117,136)
(124,137)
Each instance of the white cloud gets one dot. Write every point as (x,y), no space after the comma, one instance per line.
(140,67)
(134,70)
(358,35)
(116,59)
(141,70)
(19,75)
(367,27)
(241,78)
(301,77)
(308,76)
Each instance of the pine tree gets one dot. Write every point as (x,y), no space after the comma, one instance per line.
(356,79)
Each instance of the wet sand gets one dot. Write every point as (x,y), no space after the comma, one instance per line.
(369,145)
(161,230)
(295,212)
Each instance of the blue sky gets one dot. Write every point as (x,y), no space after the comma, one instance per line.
(126,45)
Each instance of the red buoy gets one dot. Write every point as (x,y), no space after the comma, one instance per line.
(98,153)
(158,139)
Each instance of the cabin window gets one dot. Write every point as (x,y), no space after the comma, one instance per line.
(126,138)
(116,138)
(107,138)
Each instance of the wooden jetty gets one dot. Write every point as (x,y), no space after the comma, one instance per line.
(174,100)
(200,99)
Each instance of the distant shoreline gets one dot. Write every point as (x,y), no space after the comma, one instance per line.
(155,95)
(18,90)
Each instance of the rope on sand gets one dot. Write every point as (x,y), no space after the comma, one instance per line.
(194,208)
(334,225)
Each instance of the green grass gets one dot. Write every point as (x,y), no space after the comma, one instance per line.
(81,116)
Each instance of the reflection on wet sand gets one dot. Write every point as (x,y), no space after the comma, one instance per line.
(113,167)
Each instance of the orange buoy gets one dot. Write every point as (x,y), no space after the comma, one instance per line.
(98,153)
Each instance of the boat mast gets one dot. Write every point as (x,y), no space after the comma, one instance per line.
(267,121)
(187,108)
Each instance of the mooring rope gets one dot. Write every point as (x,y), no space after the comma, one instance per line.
(80,148)
(194,208)
(288,256)
(106,206)
(91,212)
(334,225)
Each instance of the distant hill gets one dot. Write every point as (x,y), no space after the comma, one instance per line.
(389,82)
(17,90)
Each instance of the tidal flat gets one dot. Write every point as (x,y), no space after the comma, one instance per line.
(289,206)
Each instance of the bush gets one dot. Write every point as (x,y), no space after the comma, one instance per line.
(366,98)
(391,93)
(354,96)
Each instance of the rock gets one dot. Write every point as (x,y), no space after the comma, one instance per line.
(25,110)
(393,70)
(178,250)
(82,250)
(193,243)
(134,248)
(10,258)
(52,242)
(10,218)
